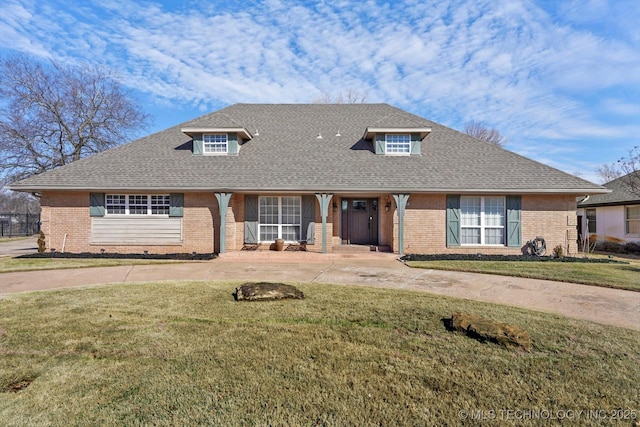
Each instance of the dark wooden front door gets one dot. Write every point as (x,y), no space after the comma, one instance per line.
(360,221)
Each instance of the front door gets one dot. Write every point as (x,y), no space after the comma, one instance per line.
(360,221)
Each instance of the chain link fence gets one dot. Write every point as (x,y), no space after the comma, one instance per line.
(19,224)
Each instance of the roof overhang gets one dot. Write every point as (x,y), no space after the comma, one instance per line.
(368,134)
(306,189)
(195,130)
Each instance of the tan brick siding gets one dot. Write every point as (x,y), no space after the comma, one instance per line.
(68,213)
(550,216)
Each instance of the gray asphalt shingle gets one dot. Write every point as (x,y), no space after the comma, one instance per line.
(285,154)
(620,194)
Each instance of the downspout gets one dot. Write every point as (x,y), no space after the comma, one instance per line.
(64,242)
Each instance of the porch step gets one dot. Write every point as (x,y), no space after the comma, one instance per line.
(358,248)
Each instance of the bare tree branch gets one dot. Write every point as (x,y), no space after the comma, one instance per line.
(351,97)
(55,114)
(608,172)
(630,166)
(480,131)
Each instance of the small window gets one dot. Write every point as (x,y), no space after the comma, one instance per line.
(591,220)
(215,143)
(398,144)
(160,204)
(116,204)
(632,219)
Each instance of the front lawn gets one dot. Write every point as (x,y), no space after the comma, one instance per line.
(185,353)
(612,275)
(9,264)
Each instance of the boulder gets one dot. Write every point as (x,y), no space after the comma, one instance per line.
(266,291)
(484,329)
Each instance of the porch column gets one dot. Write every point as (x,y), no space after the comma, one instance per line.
(324,200)
(223,204)
(401,203)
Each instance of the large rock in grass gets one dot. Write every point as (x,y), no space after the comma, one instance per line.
(266,291)
(488,330)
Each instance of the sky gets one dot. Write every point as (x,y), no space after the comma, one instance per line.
(560,79)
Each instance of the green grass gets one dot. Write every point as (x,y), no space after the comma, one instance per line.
(9,264)
(185,353)
(612,275)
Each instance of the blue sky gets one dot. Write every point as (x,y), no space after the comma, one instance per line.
(559,78)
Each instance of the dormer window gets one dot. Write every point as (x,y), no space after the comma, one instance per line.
(398,143)
(217,140)
(215,143)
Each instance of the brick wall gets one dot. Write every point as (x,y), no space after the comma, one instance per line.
(68,213)
(550,216)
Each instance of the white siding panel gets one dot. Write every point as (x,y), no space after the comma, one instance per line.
(131,230)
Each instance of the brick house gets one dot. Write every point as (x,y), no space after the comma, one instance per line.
(322,175)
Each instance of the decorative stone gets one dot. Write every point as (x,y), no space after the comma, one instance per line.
(484,329)
(266,291)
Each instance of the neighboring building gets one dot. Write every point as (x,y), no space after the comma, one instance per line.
(321,175)
(612,217)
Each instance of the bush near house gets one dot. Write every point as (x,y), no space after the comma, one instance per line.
(619,248)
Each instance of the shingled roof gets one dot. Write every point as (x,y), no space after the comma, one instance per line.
(620,195)
(285,154)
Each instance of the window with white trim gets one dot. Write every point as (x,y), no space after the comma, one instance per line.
(591,220)
(632,219)
(482,220)
(398,143)
(215,143)
(137,204)
(279,218)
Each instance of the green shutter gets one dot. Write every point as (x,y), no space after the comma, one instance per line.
(96,204)
(198,145)
(251,218)
(308,218)
(379,143)
(232,143)
(415,144)
(453,220)
(176,205)
(514,221)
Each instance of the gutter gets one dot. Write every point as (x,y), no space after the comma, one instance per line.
(299,190)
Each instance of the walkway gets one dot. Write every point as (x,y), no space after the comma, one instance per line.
(603,305)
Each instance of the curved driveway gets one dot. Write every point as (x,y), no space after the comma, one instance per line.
(602,305)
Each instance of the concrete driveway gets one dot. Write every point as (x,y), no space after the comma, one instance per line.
(19,246)
(602,305)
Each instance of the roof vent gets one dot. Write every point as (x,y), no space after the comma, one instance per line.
(319,136)
(257,133)
(338,134)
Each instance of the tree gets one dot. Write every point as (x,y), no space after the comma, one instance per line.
(630,167)
(480,130)
(351,97)
(608,172)
(18,202)
(51,115)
